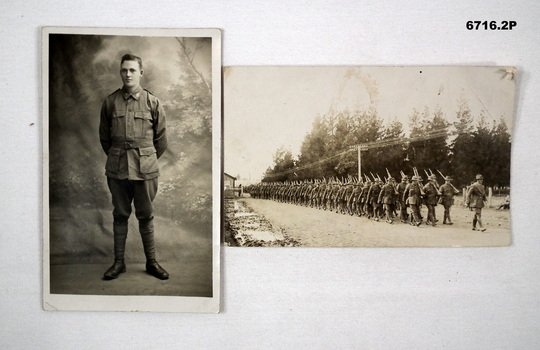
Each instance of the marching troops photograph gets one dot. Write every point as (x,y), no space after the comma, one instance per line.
(379,199)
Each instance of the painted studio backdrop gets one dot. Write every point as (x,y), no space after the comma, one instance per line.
(84,69)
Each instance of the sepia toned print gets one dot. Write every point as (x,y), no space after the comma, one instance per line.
(368,156)
(131,169)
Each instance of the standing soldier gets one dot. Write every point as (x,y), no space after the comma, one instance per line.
(412,197)
(133,135)
(431,199)
(387,197)
(402,206)
(476,196)
(447,199)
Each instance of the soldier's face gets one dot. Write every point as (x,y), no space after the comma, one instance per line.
(131,74)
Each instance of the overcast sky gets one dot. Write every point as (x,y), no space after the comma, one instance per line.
(269,107)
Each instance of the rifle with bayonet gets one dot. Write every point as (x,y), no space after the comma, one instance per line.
(444,177)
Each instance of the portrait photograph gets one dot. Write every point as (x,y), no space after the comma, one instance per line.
(131,169)
(368,156)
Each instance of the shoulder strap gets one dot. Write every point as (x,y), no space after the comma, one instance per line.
(115,91)
(480,188)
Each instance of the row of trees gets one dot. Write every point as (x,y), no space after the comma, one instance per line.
(460,149)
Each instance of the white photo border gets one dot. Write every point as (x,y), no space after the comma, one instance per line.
(70,302)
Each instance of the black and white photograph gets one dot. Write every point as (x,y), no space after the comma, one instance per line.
(368,156)
(131,159)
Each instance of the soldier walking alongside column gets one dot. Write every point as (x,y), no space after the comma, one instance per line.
(476,196)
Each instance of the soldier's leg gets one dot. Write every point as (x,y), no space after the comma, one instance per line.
(447,218)
(144,193)
(365,209)
(479,219)
(403,212)
(389,216)
(122,195)
(431,214)
(412,217)
(415,220)
(474,221)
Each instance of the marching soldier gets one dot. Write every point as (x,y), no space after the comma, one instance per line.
(387,197)
(412,197)
(476,196)
(400,190)
(447,198)
(373,196)
(364,199)
(431,199)
(353,199)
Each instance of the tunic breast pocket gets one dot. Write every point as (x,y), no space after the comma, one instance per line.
(143,125)
(118,124)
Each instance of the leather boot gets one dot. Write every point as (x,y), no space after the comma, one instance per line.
(449,222)
(482,228)
(120,229)
(154,269)
(115,270)
(146,228)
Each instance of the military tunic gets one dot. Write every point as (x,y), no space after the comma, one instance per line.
(431,201)
(412,198)
(132,133)
(476,196)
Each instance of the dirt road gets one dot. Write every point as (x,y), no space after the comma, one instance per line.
(318,228)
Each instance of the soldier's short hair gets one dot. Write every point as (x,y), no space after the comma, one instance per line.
(130,57)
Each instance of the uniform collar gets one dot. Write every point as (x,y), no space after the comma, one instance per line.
(136,94)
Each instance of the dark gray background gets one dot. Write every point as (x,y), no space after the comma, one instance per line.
(293,298)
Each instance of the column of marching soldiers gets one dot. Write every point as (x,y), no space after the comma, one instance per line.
(373,198)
